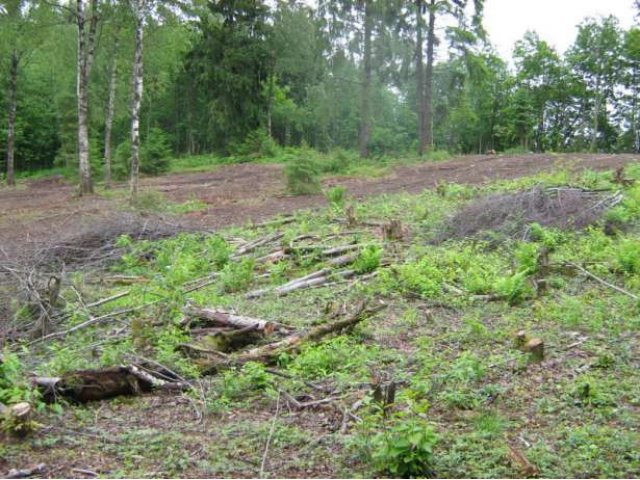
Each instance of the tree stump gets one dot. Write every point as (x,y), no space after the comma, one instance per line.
(535,348)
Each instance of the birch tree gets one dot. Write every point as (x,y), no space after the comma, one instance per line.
(139,9)
(87,28)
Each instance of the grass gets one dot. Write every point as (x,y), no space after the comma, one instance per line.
(466,392)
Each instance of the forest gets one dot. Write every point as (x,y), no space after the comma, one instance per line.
(316,239)
(246,78)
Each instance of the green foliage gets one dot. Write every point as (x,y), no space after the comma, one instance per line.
(155,155)
(421,278)
(257,145)
(14,386)
(368,259)
(236,277)
(514,288)
(404,449)
(336,195)
(302,176)
(628,256)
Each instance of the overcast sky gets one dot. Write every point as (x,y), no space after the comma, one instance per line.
(554,20)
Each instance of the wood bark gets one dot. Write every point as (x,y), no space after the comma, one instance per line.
(140,6)
(428,89)
(86,49)
(422,111)
(11,124)
(108,122)
(365,112)
(226,319)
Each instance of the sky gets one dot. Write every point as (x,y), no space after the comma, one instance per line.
(506,21)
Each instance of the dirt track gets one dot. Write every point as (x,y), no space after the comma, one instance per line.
(236,193)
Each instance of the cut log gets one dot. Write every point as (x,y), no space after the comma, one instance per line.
(250,247)
(89,385)
(26,472)
(227,319)
(269,353)
(343,260)
(314,279)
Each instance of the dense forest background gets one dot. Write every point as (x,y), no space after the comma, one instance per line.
(247,77)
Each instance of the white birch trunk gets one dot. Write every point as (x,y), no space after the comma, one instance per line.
(139,6)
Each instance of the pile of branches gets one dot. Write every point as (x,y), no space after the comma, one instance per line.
(33,276)
(511,214)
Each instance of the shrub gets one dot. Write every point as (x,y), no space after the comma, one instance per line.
(405,449)
(236,276)
(155,155)
(629,256)
(257,144)
(336,195)
(302,176)
(368,260)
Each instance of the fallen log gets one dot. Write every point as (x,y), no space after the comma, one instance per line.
(223,318)
(250,247)
(91,385)
(26,472)
(269,353)
(313,279)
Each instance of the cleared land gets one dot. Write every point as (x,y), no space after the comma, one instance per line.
(449,335)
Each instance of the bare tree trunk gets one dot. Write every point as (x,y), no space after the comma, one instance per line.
(422,110)
(365,113)
(108,123)
(86,45)
(428,96)
(11,127)
(137,99)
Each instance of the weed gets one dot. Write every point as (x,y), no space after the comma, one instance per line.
(236,277)
(336,196)
(405,448)
(368,260)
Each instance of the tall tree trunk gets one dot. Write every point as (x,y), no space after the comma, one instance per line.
(108,123)
(137,99)
(428,95)
(365,113)
(422,107)
(11,127)
(86,44)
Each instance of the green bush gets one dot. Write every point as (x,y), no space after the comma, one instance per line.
(368,259)
(237,276)
(336,195)
(155,155)
(629,256)
(257,144)
(405,449)
(302,176)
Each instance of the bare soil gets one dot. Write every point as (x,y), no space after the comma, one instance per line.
(44,209)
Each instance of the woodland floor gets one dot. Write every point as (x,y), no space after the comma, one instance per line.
(169,435)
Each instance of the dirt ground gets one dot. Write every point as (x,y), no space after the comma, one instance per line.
(42,210)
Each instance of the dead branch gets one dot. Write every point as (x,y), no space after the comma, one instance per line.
(269,353)
(26,472)
(601,281)
(250,247)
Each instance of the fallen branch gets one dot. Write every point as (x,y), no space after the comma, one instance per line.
(269,353)
(601,281)
(250,247)
(26,472)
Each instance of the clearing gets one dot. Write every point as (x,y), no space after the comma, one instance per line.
(507,352)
